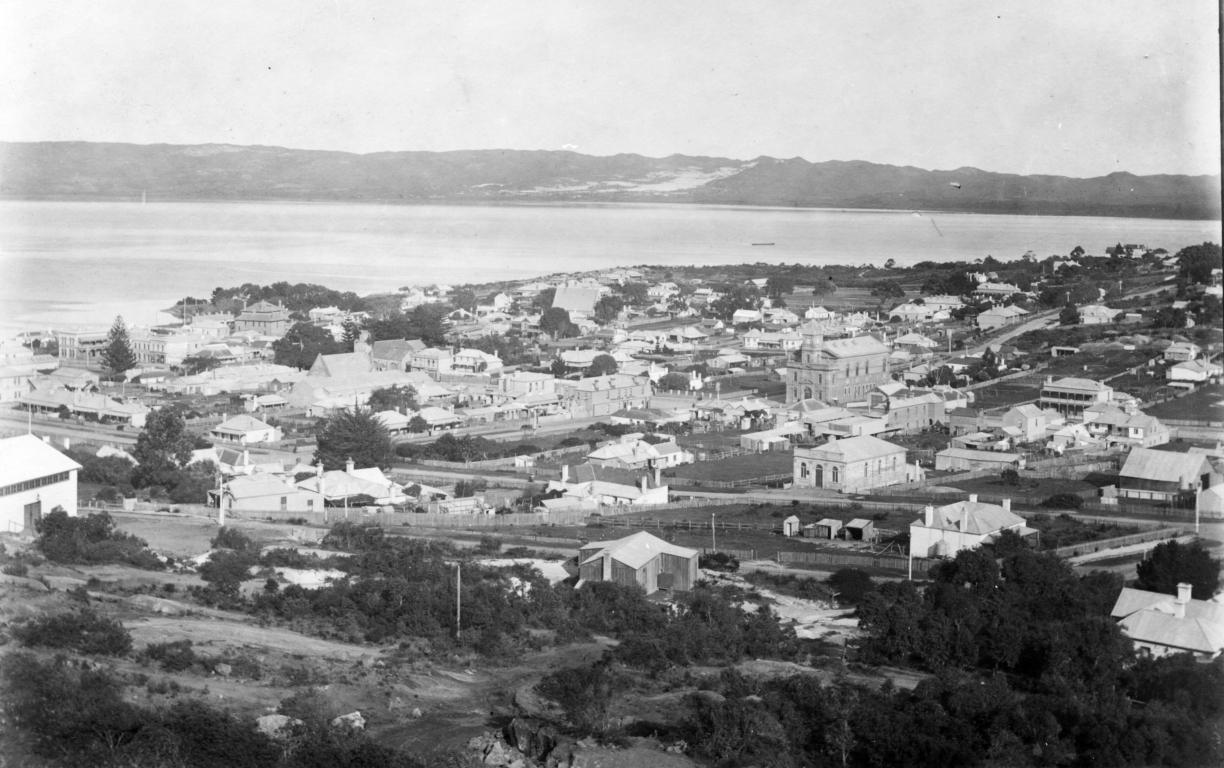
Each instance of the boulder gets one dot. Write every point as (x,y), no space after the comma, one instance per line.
(353,721)
(276,726)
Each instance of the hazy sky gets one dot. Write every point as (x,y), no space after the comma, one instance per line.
(1077,88)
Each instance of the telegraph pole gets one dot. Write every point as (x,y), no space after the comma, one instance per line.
(713,535)
(458,599)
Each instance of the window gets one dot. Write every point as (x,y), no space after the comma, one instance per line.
(310,505)
(835,474)
(284,503)
(803,470)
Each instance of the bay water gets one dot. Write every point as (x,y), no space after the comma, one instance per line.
(82,263)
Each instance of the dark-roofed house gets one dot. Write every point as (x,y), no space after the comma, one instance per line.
(1166,476)
(944,531)
(852,465)
(822,529)
(639,559)
(394,354)
(263,318)
(1160,624)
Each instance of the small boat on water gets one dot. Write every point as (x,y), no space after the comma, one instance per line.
(762,243)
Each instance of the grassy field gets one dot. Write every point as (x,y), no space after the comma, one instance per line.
(736,468)
(1006,393)
(1202,404)
(766,384)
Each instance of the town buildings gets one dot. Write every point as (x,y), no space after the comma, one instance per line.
(850,465)
(640,560)
(263,318)
(1161,625)
(835,370)
(944,531)
(34,479)
(1071,396)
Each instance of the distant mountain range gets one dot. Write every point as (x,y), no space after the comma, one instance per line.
(96,171)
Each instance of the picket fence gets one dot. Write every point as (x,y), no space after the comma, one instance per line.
(1088,547)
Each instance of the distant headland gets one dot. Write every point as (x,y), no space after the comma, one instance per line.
(221,172)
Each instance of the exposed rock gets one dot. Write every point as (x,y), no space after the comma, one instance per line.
(352,720)
(21,581)
(225,670)
(531,737)
(416,712)
(158,605)
(63,583)
(276,726)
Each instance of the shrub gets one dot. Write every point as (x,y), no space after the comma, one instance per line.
(83,631)
(173,657)
(15,568)
(1063,501)
(718,561)
(91,539)
(851,584)
(232,538)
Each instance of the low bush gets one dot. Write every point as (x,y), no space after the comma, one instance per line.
(83,631)
(91,539)
(1063,501)
(173,657)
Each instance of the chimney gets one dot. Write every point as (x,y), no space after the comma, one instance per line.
(1007,505)
(658,477)
(348,465)
(1183,599)
(565,473)
(643,483)
(928,516)
(246,457)
(973,498)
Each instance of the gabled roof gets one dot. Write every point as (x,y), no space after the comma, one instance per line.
(576,298)
(973,517)
(241,423)
(1163,466)
(26,457)
(256,486)
(395,349)
(1152,617)
(341,365)
(634,550)
(1071,382)
(852,449)
(854,347)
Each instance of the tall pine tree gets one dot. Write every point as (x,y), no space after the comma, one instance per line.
(118,356)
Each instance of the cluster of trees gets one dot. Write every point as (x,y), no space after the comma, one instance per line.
(465,448)
(90,539)
(962,719)
(298,298)
(118,356)
(1173,563)
(65,714)
(299,347)
(163,450)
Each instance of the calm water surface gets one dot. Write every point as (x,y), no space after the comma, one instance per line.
(83,263)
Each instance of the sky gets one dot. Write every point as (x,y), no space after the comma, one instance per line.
(1078,89)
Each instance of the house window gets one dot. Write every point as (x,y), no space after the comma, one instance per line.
(284,503)
(819,476)
(803,470)
(834,474)
(310,505)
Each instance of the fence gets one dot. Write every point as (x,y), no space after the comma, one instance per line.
(1087,547)
(782,477)
(922,565)
(505,462)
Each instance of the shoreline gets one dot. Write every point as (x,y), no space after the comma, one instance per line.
(545,203)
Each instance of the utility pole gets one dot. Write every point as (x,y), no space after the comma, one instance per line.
(713,535)
(458,599)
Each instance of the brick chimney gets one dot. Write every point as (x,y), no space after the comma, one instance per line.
(1007,505)
(644,482)
(1183,599)
(565,473)
(928,516)
(973,498)
(348,465)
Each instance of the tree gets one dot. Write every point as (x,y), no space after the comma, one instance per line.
(352,333)
(463,298)
(602,365)
(890,264)
(887,290)
(608,307)
(1076,252)
(674,381)
(198,364)
(118,356)
(163,447)
(556,323)
(1195,262)
(777,286)
(302,344)
(396,398)
(418,424)
(635,294)
(1010,476)
(1172,563)
(355,435)
(1069,315)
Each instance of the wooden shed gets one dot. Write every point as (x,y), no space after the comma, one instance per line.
(861,529)
(824,529)
(790,526)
